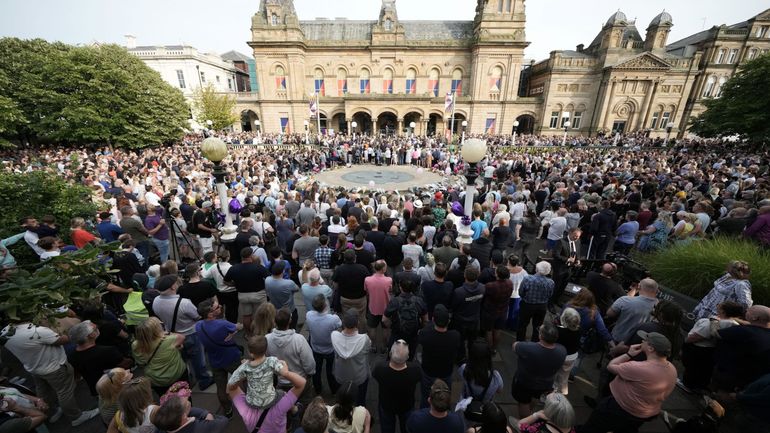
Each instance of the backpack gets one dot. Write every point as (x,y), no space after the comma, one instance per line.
(259,206)
(408,316)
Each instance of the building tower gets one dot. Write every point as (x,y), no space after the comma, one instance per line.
(657,33)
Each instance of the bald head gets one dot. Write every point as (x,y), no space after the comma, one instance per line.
(758,315)
(393,230)
(648,287)
(608,269)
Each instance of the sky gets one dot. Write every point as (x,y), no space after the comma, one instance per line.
(223,25)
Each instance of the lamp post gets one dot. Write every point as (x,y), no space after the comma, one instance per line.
(353,125)
(215,150)
(257,125)
(515,125)
(411,126)
(306,132)
(465,126)
(473,150)
(669,127)
(566,127)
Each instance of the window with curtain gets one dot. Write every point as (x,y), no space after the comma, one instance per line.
(364,81)
(342,82)
(280,78)
(387,82)
(433,82)
(457,81)
(318,81)
(411,81)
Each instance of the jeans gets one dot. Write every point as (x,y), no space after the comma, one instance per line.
(144,249)
(220,379)
(512,321)
(388,420)
(527,312)
(162,246)
(320,360)
(426,383)
(192,352)
(59,385)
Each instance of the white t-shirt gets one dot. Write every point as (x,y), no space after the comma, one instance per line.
(517,210)
(31,238)
(33,345)
(489,171)
(702,327)
(516,279)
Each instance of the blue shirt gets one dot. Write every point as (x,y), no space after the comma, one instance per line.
(212,334)
(627,232)
(478,226)
(536,289)
(280,292)
(422,421)
(320,326)
(310,292)
(109,231)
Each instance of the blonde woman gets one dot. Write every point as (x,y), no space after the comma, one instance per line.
(135,408)
(108,388)
(655,236)
(303,273)
(264,320)
(159,354)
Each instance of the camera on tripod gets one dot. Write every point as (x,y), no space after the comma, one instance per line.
(629,270)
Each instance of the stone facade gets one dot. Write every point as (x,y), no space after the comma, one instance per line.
(386,74)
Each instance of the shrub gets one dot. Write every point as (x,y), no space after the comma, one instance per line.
(692,268)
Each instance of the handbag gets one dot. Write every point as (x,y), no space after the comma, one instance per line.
(473,412)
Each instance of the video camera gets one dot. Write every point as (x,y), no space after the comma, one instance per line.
(629,270)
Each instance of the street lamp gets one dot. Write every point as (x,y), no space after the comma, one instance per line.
(515,125)
(465,125)
(412,125)
(566,127)
(669,127)
(473,150)
(353,125)
(215,150)
(306,132)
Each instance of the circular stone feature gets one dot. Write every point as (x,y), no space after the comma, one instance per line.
(388,178)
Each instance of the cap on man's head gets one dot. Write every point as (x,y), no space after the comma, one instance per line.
(166,282)
(657,341)
(350,319)
(105,215)
(207,204)
(440,316)
(439,387)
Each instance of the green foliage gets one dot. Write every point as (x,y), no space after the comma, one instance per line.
(83,95)
(692,268)
(38,194)
(35,296)
(743,108)
(210,105)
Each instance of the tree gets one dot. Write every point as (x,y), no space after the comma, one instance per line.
(84,95)
(743,109)
(210,105)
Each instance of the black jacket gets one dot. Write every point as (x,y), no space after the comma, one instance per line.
(481,250)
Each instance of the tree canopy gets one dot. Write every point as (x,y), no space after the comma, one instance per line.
(52,92)
(743,108)
(210,105)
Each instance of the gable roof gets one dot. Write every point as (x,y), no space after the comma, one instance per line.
(235,56)
(644,60)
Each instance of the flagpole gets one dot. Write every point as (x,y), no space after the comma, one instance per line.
(452,119)
(318,115)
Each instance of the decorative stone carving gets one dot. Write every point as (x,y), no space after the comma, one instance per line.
(642,62)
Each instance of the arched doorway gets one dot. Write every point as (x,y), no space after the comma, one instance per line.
(247,120)
(417,119)
(339,124)
(526,124)
(364,123)
(387,123)
(435,124)
(458,123)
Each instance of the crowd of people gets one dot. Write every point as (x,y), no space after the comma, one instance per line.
(324,289)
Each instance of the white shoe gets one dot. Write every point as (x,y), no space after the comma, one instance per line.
(56,416)
(85,416)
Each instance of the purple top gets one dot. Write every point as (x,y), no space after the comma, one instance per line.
(152,221)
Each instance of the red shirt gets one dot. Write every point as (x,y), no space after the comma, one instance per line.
(377,287)
(81,237)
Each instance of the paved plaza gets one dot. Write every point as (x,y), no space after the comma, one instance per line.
(380,177)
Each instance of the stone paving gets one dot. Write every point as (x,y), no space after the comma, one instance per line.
(379,177)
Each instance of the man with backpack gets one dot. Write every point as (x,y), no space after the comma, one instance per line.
(407,313)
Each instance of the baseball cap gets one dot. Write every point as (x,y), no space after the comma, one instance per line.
(438,387)
(206,204)
(350,319)
(658,341)
(440,315)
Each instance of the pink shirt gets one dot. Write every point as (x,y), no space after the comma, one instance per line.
(641,387)
(378,288)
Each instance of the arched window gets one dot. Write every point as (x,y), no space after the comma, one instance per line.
(495,79)
(342,82)
(709,87)
(320,86)
(388,24)
(274,19)
(721,83)
(387,81)
(280,78)
(411,81)
(720,56)
(433,82)
(364,81)
(457,81)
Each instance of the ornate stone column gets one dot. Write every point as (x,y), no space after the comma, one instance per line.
(400,127)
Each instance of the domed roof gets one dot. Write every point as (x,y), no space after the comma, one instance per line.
(662,18)
(616,18)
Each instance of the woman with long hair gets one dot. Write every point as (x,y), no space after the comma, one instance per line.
(342,245)
(264,320)
(303,273)
(352,227)
(655,236)
(480,380)
(285,229)
(135,408)
(591,322)
(159,354)
(345,416)
(107,388)
(494,420)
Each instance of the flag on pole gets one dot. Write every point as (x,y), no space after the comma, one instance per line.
(313,105)
(449,101)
